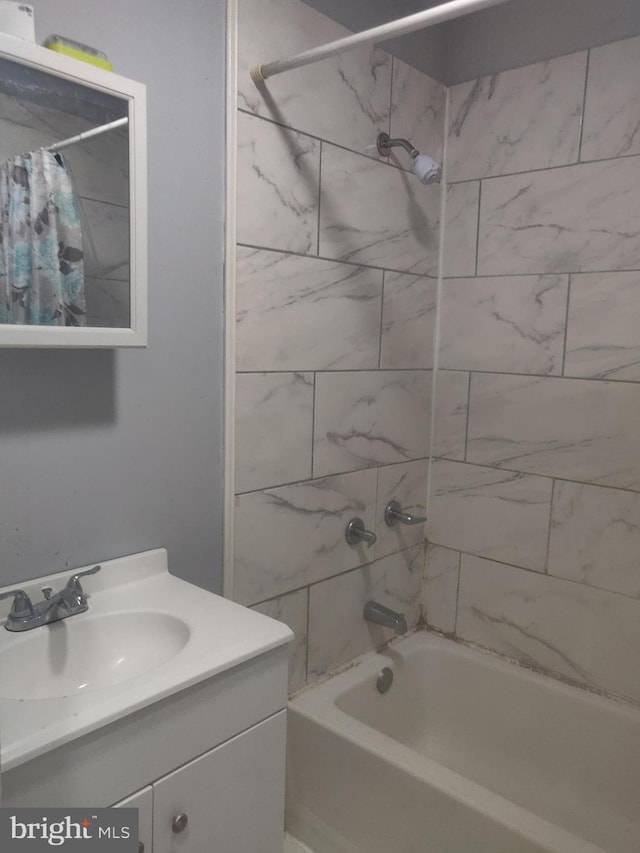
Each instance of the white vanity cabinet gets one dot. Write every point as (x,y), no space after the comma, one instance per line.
(229,800)
(200,733)
(143,801)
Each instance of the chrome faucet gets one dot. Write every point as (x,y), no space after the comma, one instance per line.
(393,514)
(25,615)
(356,533)
(381,615)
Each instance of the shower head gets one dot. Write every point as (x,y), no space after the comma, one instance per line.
(424,167)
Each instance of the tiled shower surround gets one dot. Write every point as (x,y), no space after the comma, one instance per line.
(534,525)
(336,299)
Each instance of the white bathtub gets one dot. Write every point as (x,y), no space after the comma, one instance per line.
(465,754)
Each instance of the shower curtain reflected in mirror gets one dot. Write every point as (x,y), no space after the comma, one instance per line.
(41,256)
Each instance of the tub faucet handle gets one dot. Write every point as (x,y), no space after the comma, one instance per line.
(357,533)
(393,513)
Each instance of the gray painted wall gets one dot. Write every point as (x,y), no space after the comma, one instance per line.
(105,453)
(517,33)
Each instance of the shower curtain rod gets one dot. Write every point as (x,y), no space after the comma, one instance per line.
(400,27)
(87,134)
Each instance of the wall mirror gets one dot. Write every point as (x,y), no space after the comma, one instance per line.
(72,202)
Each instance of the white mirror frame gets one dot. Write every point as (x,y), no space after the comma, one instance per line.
(83,73)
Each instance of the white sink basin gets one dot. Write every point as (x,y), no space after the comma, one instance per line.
(146,636)
(88,652)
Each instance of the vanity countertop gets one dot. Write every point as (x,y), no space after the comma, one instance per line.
(186,635)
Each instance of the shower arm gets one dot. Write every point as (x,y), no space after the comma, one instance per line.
(385,144)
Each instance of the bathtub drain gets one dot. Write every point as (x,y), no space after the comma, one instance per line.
(384,680)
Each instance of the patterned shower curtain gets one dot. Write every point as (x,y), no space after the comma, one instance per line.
(41,260)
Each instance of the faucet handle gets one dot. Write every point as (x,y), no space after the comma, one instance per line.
(74,581)
(357,533)
(393,513)
(21,606)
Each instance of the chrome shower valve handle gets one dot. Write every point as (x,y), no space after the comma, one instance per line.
(356,533)
(394,514)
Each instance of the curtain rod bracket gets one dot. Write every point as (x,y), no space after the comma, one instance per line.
(257,74)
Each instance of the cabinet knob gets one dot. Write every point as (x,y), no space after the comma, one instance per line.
(140,847)
(179,823)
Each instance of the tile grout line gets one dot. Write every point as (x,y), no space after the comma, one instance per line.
(319,199)
(313,427)
(566,329)
(528,569)
(569,165)
(343,473)
(546,560)
(384,282)
(569,377)
(478,228)
(457,610)
(342,573)
(346,262)
(439,285)
(584,105)
(478,179)
(444,193)
(374,370)
(466,431)
(386,162)
(306,660)
(533,572)
(366,266)
(375,514)
(535,274)
(374,158)
(587,483)
(540,574)
(391,82)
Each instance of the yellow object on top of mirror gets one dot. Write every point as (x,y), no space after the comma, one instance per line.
(77,50)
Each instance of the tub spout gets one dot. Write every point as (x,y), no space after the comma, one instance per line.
(381,615)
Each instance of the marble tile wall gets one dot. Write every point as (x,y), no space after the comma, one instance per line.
(337,631)
(344,100)
(534,530)
(337,265)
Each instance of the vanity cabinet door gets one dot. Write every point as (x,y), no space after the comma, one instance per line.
(229,800)
(143,801)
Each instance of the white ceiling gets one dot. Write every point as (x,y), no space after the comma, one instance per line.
(517,33)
